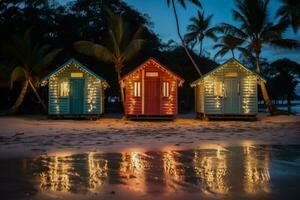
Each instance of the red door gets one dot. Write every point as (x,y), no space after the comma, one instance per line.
(152,96)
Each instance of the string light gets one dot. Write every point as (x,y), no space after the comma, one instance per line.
(92,88)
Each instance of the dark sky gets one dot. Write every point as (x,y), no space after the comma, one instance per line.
(164,23)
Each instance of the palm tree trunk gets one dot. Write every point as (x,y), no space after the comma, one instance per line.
(121,88)
(201,47)
(182,40)
(264,90)
(20,99)
(38,96)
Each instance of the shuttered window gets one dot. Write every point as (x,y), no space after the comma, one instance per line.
(137,89)
(64,89)
(166,89)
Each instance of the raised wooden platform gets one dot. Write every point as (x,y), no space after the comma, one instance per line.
(151,117)
(90,117)
(237,117)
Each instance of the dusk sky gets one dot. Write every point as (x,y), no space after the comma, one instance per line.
(164,22)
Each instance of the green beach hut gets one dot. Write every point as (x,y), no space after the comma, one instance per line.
(228,91)
(75,91)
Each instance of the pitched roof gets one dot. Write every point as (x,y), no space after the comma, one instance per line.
(73,60)
(222,65)
(159,65)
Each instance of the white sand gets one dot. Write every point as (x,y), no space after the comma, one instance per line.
(35,135)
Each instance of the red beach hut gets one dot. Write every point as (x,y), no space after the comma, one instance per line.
(151,91)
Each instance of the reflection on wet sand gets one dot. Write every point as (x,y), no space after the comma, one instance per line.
(256,172)
(97,171)
(209,171)
(57,176)
(172,171)
(132,167)
(211,168)
(63,173)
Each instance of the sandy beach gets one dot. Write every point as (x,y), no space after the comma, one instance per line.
(31,135)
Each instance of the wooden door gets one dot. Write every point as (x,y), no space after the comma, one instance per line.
(152,96)
(77,96)
(231,100)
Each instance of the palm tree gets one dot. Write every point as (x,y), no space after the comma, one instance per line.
(30,62)
(122,46)
(228,43)
(199,29)
(256,30)
(183,42)
(290,11)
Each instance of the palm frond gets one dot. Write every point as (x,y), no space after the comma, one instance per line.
(285,43)
(92,49)
(18,73)
(133,48)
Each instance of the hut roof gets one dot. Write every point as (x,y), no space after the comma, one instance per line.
(70,61)
(223,65)
(158,64)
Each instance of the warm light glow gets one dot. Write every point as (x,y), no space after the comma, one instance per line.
(166,88)
(133,165)
(97,171)
(56,178)
(92,93)
(137,89)
(76,75)
(256,176)
(172,171)
(64,89)
(211,168)
(248,93)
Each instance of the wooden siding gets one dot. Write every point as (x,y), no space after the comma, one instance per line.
(134,105)
(199,97)
(93,92)
(247,103)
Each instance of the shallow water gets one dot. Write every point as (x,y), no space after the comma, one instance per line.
(213,172)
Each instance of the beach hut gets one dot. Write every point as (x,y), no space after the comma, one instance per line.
(75,91)
(151,91)
(228,91)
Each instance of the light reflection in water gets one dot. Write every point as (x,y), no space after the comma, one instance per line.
(172,171)
(211,169)
(97,171)
(256,175)
(57,177)
(132,167)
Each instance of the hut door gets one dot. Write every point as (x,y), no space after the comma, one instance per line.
(152,95)
(231,100)
(77,95)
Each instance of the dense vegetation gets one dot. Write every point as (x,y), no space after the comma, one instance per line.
(55,28)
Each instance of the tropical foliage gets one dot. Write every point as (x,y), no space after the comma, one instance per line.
(122,46)
(290,11)
(183,42)
(85,20)
(283,77)
(30,62)
(256,30)
(199,29)
(229,43)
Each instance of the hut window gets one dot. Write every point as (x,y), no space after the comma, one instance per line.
(137,89)
(151,74)
(218,89)
(64,89)
(166,89)
(76,75)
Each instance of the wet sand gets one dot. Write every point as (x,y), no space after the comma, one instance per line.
(20,136)
(213,172)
